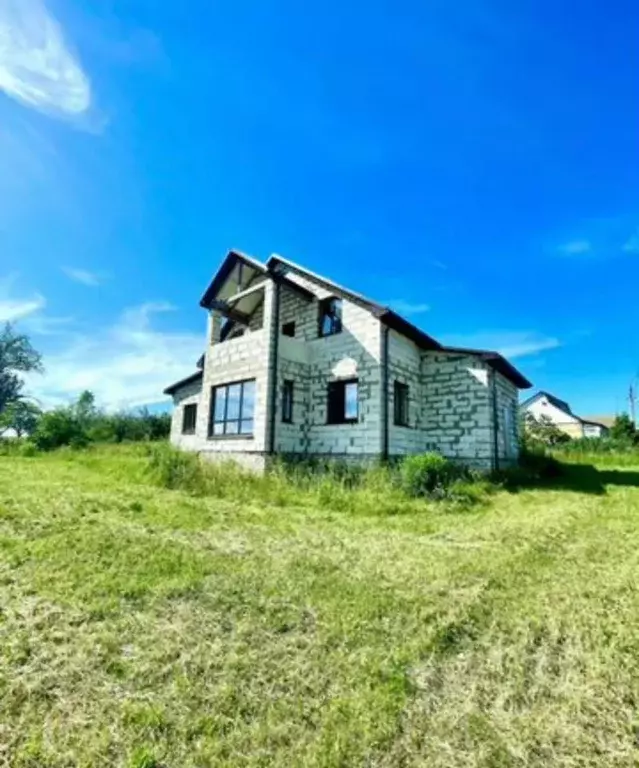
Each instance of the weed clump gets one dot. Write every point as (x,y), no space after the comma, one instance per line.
(428,475)
(176,470)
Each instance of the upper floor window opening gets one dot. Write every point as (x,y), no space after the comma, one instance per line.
(330,316)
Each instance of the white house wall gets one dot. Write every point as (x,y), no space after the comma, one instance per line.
(542,407)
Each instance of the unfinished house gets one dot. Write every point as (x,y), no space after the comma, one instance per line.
(298,366)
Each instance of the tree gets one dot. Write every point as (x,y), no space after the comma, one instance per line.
(85,408)
(16,356)
(624,428)
(542,431)
(21,416)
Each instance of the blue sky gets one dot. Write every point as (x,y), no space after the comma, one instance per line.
(475,165)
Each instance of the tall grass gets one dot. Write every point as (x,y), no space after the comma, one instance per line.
(375,489)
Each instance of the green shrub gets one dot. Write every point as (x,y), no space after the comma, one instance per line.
(57,428)
(427,474)
(82,423)
(27,449)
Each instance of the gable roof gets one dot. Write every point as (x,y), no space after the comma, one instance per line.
(397,323)
(277,268)
(232,259)
(561,404)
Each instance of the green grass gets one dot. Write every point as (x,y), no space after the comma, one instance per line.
(146,627)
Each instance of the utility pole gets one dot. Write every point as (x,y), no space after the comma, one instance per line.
(632,397)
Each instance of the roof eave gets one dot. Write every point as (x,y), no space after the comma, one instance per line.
(399,324)
(172,388)
(275,263)
(497,362)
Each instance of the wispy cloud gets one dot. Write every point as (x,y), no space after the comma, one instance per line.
(407,307)
(126,364)
(602,238)
(37,67)
(83,276)
(27,311)
(16,309)
(510,344)
(576,247)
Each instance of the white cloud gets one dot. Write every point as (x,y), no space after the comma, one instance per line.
(27,311)
(83,276)
(36,66)
(125,365)
(407,308)
(576,247)
(16,309)
(510,344)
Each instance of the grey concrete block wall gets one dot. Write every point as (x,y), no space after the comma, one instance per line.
(450,403)
(353,353)
(239,359)
(405,366)
(189,394)
(508,421)
(457,406)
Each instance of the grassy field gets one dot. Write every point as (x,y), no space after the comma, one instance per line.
(145,627)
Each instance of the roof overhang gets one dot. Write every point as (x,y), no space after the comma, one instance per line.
(237,272)
(237,286)
(170,390)
(497,362)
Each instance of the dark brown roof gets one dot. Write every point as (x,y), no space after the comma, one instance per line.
(183,382)
(401,325)
(278,267)
(497,362)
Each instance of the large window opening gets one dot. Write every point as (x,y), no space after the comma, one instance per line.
(233,409)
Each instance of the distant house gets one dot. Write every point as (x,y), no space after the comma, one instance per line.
(606,421)
(561,415)
(295,364)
